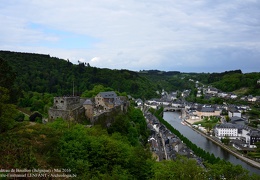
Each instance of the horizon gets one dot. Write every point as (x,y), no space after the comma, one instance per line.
(191,36)
(77,63)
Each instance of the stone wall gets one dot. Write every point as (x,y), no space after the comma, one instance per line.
(66,103)
(107,117)
(76,114)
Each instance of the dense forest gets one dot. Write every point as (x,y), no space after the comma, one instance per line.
(228,81)
(45,74)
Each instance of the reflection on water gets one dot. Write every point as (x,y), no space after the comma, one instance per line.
(204,143)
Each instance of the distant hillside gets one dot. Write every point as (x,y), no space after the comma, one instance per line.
(228,81)
(236,81)
(42,73)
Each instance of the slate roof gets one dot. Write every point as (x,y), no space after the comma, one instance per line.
(227,125)
(235,118)
(233,110)
(88,102)
(255,133)
(108,94)
(206,109)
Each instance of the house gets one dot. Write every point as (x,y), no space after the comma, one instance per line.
(152,104)
(139,102)
(212,91)
(106,100)
(258,81)
(173,96)
(233,111)
(250,98)
(251,136)
(222,94)
(226,130)
(233,96)
(208,111)
(254,137)
(199,92)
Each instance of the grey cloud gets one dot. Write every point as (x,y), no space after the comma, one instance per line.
(168,35)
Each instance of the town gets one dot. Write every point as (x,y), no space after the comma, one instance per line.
(229,122)
(230,127)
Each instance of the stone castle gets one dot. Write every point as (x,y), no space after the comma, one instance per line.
(67,108)
(76,109)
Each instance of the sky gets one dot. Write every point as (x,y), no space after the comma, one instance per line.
(168,35)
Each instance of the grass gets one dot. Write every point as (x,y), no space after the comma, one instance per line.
(254,154)
(208,122)
(241,91)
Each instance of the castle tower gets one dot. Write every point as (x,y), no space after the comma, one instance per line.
(89,108)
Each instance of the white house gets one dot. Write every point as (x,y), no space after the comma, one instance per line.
(234,112)
(226,130)
(233,96)
(251,98)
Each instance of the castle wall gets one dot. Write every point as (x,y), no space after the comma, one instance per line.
(67,108)
(56,113)
(106,115)
(66,103)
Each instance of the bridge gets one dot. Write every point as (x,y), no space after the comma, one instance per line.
(173,109)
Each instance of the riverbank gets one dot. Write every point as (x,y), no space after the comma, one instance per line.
(216,141)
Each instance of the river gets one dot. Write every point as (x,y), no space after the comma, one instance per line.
(202,142)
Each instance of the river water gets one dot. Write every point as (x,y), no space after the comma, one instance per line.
(202,142)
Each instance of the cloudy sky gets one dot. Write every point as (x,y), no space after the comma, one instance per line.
(169,35)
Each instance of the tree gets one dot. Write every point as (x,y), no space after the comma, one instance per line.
(225,140)
(227,118)
(7,111)
(7,76)
(182,168)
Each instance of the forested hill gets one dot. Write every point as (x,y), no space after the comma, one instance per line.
(42,73)
(228,81)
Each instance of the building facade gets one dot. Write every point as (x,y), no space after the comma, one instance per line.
(67,108)
(202,112)
(106,100)
(226,130)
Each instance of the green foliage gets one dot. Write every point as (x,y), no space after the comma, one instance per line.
(236,80)
(45,74)
(209,122)
(225,140)
(182,168)
(224,169)
(29,146)
(40,102)
(7,76)
(96,89)
(227,118)
(93,153)
(132,125)
(8,113)
(19,117)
